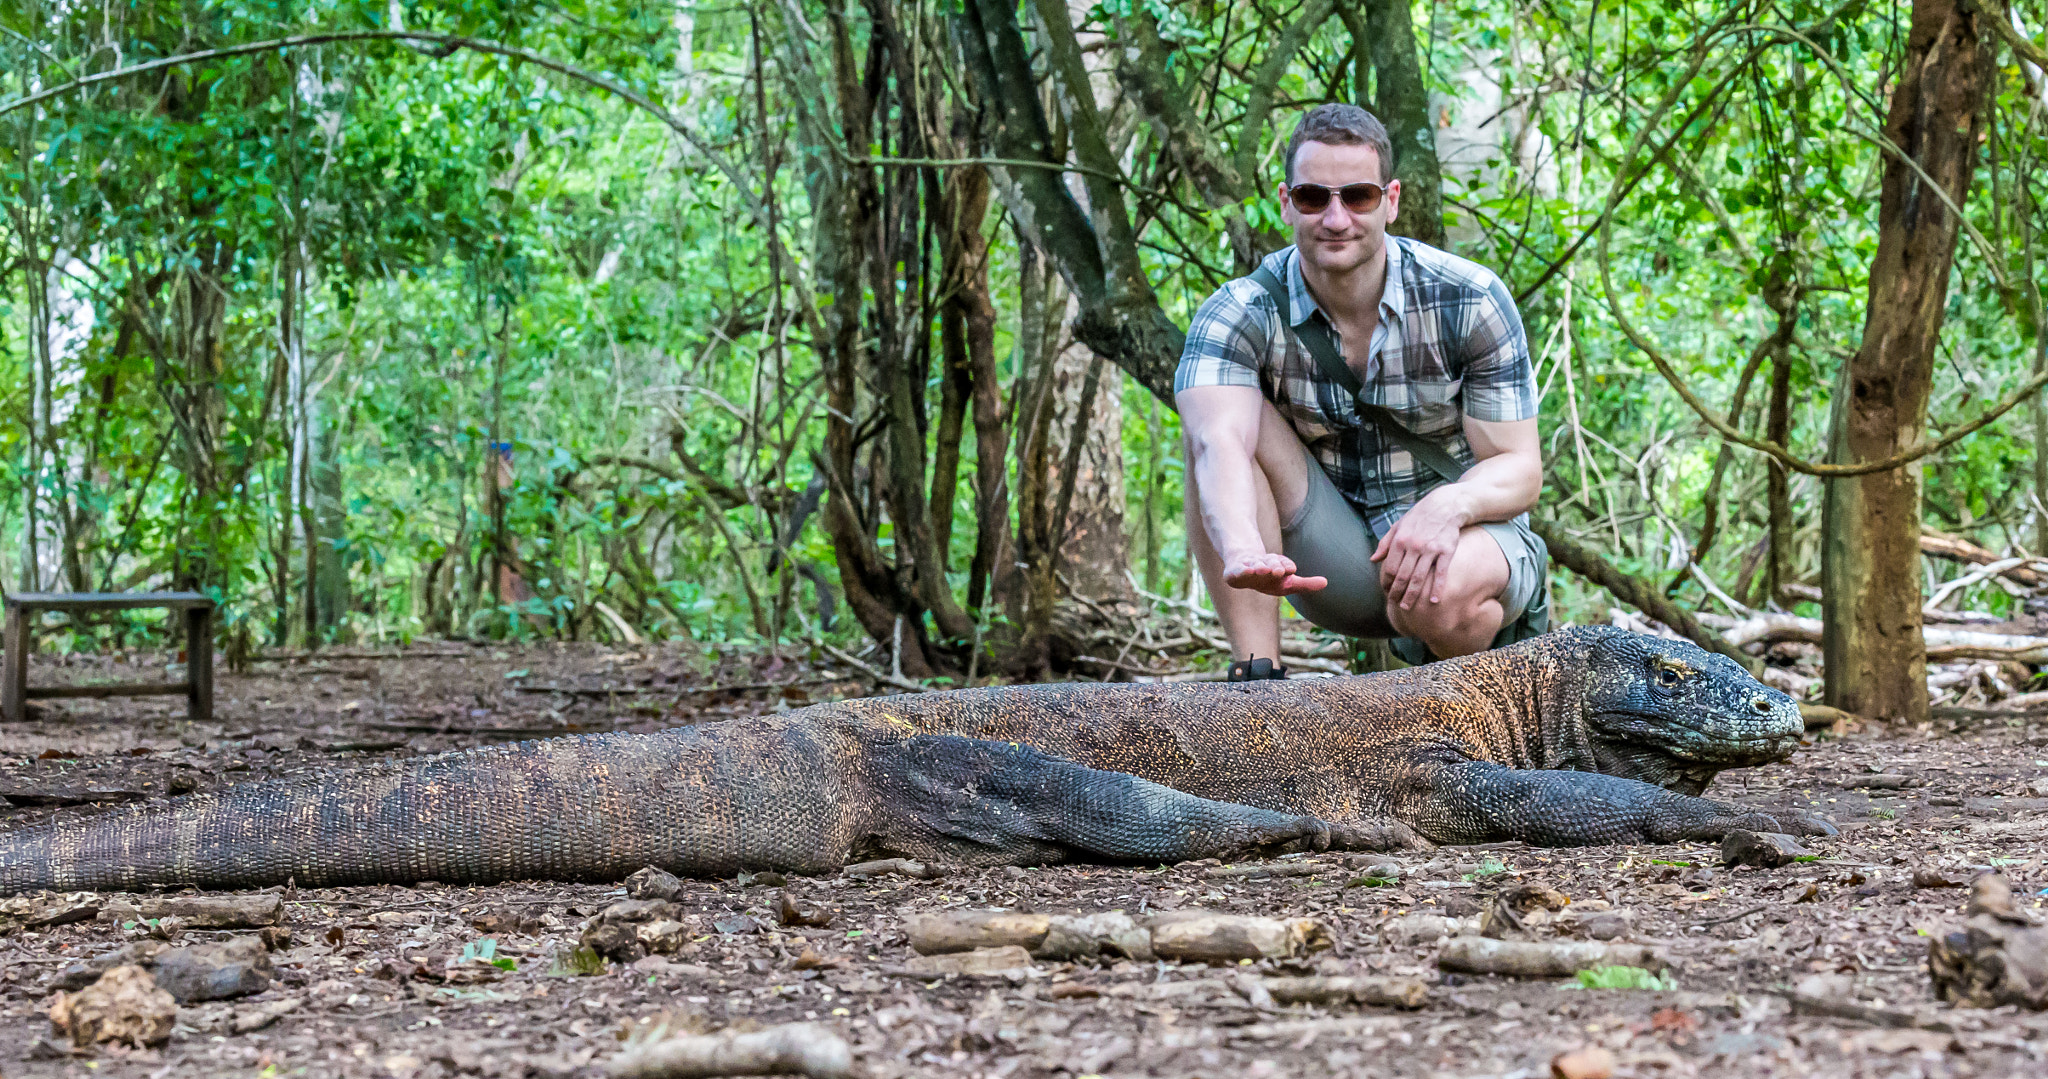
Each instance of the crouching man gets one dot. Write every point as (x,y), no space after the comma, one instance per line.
(1360,416)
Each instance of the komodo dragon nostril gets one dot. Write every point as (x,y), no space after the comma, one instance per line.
(1761,704)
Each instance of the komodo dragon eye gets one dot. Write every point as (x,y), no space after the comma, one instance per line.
(1668,676)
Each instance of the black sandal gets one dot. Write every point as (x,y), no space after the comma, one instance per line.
(1255,670)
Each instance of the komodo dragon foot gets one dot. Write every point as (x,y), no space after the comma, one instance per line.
(1478,801)
(1789,820)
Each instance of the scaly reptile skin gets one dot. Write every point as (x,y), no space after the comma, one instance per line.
(1578,737)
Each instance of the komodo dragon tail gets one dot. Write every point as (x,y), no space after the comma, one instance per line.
(594,807)
(801,793)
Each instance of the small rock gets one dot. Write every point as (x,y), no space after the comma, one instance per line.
(1418,929)
(662,937)
(125,1005)
(1592,1062)
(85,972)
(1768,850)
(251,1019)
(1930,877)
(1018,872)
(1457,906)
(616,941)
(979,961)
(653,882)
(734,924)
(638,910)
(791,912)
(1826,987)
(1603,925)
(506,923)
(1992,894)
(233,968)
(2038,788)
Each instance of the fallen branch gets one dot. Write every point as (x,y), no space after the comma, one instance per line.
(1542,959)
(1943,645)
(878,675)
(1975,576)
(1198,936)
(1956,548)
(808,1049)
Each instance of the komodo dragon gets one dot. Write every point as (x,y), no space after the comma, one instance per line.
(1582,736)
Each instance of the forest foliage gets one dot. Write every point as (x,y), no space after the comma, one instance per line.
(795,320)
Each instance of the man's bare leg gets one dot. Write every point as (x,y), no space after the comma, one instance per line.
(1470,612)
(1252,619)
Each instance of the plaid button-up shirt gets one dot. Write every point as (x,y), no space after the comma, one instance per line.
(1449,344)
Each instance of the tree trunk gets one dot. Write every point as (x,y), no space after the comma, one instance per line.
(1778,429)
(199,321)
(1088,519)
(1875,659)
(1029,587)
(327,592)
(1401,101)
(1120,314)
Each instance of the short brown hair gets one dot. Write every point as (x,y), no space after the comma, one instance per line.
(1342,125)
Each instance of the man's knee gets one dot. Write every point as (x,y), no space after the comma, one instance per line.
(1470,606)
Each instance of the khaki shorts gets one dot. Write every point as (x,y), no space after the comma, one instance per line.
(1328,538)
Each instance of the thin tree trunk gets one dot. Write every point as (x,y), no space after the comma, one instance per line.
(1401,100)
(1778,495)
(1875,659)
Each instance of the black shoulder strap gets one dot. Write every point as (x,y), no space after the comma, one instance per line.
(1315,336)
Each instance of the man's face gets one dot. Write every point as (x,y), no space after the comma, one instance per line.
(1338,241)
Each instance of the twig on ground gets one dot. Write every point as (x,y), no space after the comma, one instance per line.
(879,676)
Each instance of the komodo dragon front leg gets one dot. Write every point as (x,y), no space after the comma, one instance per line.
(1481,802)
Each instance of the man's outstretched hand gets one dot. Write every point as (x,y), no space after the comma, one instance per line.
(1272,574)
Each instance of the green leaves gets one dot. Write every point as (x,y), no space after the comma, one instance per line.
(1623,978)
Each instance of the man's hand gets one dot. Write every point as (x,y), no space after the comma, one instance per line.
(1415,557)
(1272,574)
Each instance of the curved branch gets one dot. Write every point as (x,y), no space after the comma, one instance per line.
(1797,464)
(1265,79)
(1670,374)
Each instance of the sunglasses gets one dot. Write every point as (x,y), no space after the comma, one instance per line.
(1361,198)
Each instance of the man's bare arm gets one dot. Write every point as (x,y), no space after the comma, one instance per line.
(1504,482)
(1509,472)
(1221,426)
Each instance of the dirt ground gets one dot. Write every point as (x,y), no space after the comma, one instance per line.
(366,969)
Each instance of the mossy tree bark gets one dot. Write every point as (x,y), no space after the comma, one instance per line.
(1875,658)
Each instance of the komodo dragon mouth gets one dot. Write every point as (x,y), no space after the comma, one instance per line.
(1579,737)
(1670,707)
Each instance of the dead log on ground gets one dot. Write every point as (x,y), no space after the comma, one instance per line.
(1943,644)
(1956,548)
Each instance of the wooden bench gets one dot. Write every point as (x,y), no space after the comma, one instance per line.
(197,688)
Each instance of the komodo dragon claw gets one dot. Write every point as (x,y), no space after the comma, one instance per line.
(1789,821)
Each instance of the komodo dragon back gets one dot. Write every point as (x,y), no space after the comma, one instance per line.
(1577,737)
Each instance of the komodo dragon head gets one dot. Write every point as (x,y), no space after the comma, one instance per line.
(1671,713)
